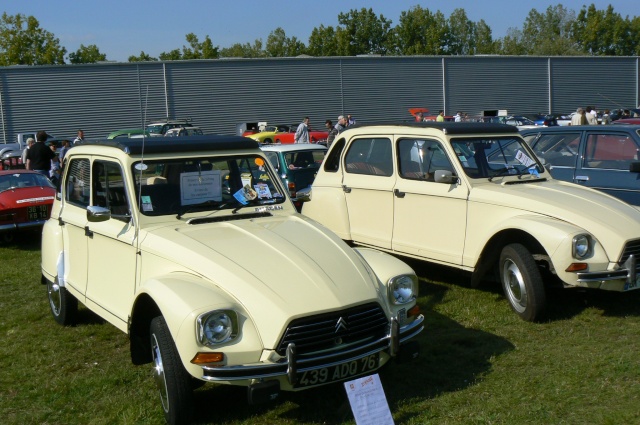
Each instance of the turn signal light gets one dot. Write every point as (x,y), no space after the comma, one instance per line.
(576,267)
(292,189)
(414,311)
(204,358)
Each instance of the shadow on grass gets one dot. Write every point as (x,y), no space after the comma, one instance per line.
(562,303)
(24,241)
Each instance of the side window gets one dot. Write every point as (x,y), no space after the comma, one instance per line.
(332,163)
(77,182)
(558,149)
(370,156)
(611,151)
(108,188)
(419,159)
(273,159)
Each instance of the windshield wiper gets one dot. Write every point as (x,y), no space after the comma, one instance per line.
(199,207)
(506,170)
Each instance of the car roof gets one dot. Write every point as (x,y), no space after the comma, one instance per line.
(293,147)
(448,127)
(17,171)
(155,145)
(573,128)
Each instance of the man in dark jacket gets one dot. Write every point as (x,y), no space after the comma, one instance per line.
(40,155)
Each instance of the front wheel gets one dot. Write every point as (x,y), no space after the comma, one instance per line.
(521,282)
(63,305)
(172,380)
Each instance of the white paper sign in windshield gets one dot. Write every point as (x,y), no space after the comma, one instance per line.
(198,187)
(524,159)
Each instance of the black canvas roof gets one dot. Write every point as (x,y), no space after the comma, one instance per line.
(155,145)
(450,127)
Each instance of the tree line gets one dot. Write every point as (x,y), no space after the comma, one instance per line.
(558,31)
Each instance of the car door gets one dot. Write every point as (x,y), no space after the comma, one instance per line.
(605,164)
(73,222)
(560,151)
(111,245)
(429,217)
(368,182)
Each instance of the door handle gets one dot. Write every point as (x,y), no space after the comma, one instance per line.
(346,189)
(88,232)
(60,222)
(398,193)
(582,178)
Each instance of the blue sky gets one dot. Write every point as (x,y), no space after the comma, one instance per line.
(123,28)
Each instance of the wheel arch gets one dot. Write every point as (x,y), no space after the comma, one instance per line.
(490,255)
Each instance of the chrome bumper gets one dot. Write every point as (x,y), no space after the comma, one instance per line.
(628,273)
(293,364)
(25,225)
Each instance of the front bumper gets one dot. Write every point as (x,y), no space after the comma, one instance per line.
(626,278)
(293,365)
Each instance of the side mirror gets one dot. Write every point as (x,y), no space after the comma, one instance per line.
(97,214)
(634,167)
(445,176)
(304,195)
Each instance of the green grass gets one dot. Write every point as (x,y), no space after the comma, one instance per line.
(480,364)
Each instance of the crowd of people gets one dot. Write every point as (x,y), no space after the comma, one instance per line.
(43,156)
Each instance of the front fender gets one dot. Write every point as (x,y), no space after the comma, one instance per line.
(181,298)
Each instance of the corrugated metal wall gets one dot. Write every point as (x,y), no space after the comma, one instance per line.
(218,94)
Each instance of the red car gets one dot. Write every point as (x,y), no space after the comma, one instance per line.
(315,136)
(25,201)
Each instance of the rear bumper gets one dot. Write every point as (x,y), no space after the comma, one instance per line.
(21,226)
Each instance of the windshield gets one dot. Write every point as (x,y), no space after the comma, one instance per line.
(22,180)
(181,186)
(155,129)
(494,157)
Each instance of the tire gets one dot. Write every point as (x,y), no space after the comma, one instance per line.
(267,140)
(173,381)
(521,282)
(63,305)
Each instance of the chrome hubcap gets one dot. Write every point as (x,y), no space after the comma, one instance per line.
(55,297)
(158,373)
(514,286)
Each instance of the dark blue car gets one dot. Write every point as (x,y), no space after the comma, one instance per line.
(603,157)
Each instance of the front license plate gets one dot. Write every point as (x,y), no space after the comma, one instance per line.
(38,212)
(338,372)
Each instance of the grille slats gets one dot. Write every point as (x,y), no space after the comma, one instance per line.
(322,332)
(631,248)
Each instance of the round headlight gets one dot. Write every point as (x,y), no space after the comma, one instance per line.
(580,246)
(217,327)
(402,290)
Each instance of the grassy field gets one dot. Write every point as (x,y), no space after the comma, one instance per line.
(480,364)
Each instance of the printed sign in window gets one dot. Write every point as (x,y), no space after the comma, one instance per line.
(198,187)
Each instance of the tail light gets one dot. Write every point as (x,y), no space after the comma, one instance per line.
(292,189)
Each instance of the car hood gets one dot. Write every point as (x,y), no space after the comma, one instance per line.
(27,196)
(278,267)
(610,220)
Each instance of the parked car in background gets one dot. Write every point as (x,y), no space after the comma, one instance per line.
(128,133)
(183,131)
(161,126)
(199,256)
(25,201)
(476,197)
(515,120)
(11,160)
(296,164)
(603,157)
(285,134)
(544,120)
(628,121)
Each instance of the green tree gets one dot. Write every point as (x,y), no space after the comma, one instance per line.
(462,31)
(511,44)
(420,32)
(323,42)
(485,45)
(195,50)
(87,54)
(362,32)
(604,32)
(143,57)
(23,42)
(279,45)
(549,33)
(244,50)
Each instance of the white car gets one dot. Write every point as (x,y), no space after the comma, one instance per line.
(195,251)
(475,197)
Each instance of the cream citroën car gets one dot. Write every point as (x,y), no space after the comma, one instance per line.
(475,197)
(194,249)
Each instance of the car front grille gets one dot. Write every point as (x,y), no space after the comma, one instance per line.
(631,248)
(334,331)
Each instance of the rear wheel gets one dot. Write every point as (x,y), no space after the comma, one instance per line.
(172,380)
(521,282)
(64,306)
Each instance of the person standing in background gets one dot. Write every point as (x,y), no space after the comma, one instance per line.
(30,142)
(302,133)
(80,137)
(40,155)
